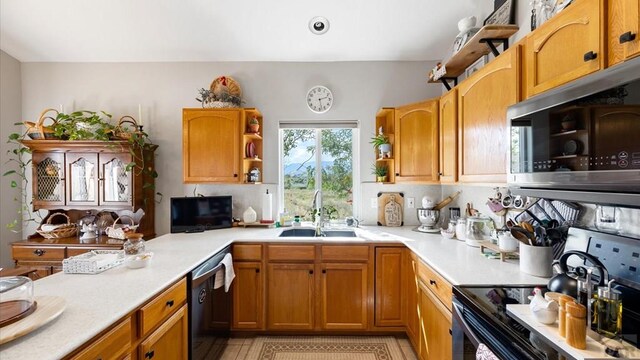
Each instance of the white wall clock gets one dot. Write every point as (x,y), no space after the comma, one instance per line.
(319,99)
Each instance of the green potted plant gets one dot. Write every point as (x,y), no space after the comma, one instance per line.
(381,171)
(83,125)
(381,143)
(253,125)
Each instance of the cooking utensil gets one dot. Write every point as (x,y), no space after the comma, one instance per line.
(518,234)
(446,201)
(525,225)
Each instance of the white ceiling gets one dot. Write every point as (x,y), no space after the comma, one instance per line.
(232,30)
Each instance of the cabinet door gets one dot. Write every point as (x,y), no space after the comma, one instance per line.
(389,309)
(290,297)
(413,319)
(416,142)
(623,37)
(482,119)
(111,346)
(115,183)
(82,179)
(48,179)
(169,341)
(435,327)
(567,47)
(449,137)
(211,145)
(344,296)
(248,304)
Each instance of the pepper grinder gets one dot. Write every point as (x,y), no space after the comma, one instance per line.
(609,311)
(576,325)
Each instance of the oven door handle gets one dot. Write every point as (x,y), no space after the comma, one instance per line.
(457,316)
(196,281)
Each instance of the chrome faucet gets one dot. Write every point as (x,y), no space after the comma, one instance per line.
(317,207)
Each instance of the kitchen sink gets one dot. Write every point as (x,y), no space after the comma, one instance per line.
(312,233)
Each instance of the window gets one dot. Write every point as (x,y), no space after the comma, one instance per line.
(318,158)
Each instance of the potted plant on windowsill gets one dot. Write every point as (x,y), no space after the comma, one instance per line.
(381,143)
(381,172)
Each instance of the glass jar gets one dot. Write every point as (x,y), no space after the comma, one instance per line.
(134,244)
(461,226)
(478,229)
(17,302)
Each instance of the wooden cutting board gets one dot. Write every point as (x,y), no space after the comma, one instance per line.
(49,308)
(383,199)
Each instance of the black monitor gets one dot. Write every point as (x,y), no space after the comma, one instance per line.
(191,214)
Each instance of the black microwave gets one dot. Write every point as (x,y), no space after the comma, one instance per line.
(191,214)
(580,142)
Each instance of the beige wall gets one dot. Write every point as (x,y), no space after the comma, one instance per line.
(10,113)
(278,89)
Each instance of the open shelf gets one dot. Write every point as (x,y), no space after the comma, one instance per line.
(254,136)
(385,159)
(482,43)
(570,132)
(560,157)
(252,159)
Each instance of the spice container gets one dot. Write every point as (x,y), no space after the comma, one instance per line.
(461,227)
(609,311)
(562,314)
(576,325)
(134,244)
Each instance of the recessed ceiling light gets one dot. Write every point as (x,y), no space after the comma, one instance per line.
(319,25)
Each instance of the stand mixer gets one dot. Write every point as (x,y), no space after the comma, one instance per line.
(429,220)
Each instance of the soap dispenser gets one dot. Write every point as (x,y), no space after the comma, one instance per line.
(609,311)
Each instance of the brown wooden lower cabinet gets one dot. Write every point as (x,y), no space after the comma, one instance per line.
(290,296)
(147,332)
(435,327)
(344,296)
(389,304)
(413,316)
(169,341)
(248,304)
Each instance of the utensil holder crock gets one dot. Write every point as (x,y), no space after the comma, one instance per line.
(536,260)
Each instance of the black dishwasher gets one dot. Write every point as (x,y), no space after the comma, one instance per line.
(209,310)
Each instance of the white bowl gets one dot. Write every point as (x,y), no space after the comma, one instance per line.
(138,261)
(446,234)
(545,316)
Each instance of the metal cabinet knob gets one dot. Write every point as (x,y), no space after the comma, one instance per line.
(590,56)
(39,252)
(432,282)
(149,354)
(170,303)
(627,37)
(310,272)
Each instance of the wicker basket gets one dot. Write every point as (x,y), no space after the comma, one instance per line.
(121,133)
(38,130)
(64,231)
(119,231)
(225,83)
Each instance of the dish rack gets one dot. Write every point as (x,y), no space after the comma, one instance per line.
(93,262)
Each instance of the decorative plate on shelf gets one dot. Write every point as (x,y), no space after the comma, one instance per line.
(250,150)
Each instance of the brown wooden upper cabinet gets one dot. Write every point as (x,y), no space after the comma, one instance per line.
(567,47)
(448,137)
(416,142)
(216,145)
(483,99)
(623,24)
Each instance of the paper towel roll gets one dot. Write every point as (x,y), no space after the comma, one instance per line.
(267,206)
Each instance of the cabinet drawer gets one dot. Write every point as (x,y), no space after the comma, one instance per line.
(440,287)
(111,345)
(247,252)
(162,306)
(38,253)
(345,252)
(291,252)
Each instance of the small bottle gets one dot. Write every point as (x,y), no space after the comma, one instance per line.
(461,228)
(134,244)
(609,311)
(576,325)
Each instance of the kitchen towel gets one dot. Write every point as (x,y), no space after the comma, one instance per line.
(225,276)
(484,353)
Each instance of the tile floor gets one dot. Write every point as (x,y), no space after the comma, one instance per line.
(237,349)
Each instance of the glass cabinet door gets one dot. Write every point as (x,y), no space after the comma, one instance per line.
(48,179)
(82,169)
(116,185)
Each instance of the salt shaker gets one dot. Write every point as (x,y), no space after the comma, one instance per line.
(562,314)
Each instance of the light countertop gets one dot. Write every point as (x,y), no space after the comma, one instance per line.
(95,302)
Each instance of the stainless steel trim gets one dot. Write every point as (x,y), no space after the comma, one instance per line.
(457,318)
(605,198)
